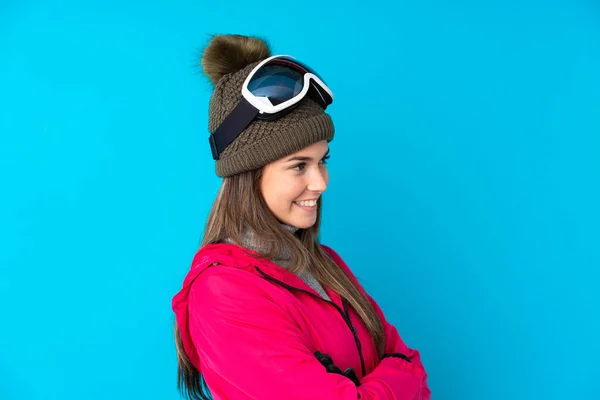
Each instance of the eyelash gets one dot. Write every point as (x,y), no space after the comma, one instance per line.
(324,161)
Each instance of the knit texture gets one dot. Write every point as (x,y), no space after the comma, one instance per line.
(284,259)
(263,142)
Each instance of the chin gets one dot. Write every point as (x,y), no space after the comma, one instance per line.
(303,224)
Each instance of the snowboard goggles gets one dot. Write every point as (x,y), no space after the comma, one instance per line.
(271,90)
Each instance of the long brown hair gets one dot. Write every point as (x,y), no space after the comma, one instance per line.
(240,206)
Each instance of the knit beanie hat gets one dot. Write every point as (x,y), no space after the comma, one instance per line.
(226,61)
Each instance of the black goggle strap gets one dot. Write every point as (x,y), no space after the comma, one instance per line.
(241,116)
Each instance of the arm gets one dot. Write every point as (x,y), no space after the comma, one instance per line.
(393,341)
(250,348)
(395,344)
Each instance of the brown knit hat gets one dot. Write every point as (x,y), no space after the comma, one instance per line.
(227,60)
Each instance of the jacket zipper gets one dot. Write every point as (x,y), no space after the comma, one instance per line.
(344,313)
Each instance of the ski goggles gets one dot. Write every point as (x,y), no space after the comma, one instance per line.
(271,90)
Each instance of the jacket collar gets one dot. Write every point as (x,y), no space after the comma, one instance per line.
(233,255)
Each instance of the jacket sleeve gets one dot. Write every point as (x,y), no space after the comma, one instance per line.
(393,341)
(250,348)
(395,344)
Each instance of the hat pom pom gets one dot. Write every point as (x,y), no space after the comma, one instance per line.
(226,54)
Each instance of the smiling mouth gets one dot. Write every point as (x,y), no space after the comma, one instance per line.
(307,203)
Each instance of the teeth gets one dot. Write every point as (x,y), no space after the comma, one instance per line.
(308,203)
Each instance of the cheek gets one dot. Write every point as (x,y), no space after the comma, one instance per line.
(279,190)
(290,191)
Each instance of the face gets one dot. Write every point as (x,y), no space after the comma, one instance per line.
(293,185)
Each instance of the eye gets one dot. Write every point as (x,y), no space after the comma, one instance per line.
(299,167)
(324,160)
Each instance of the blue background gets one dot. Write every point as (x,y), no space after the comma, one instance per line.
(464,184)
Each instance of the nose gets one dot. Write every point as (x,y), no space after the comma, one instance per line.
(318,181)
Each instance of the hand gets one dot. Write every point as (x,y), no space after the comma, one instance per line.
(327,362)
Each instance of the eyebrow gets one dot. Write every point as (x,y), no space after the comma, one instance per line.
(304,158)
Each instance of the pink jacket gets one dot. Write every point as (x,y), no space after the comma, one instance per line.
(251,327)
